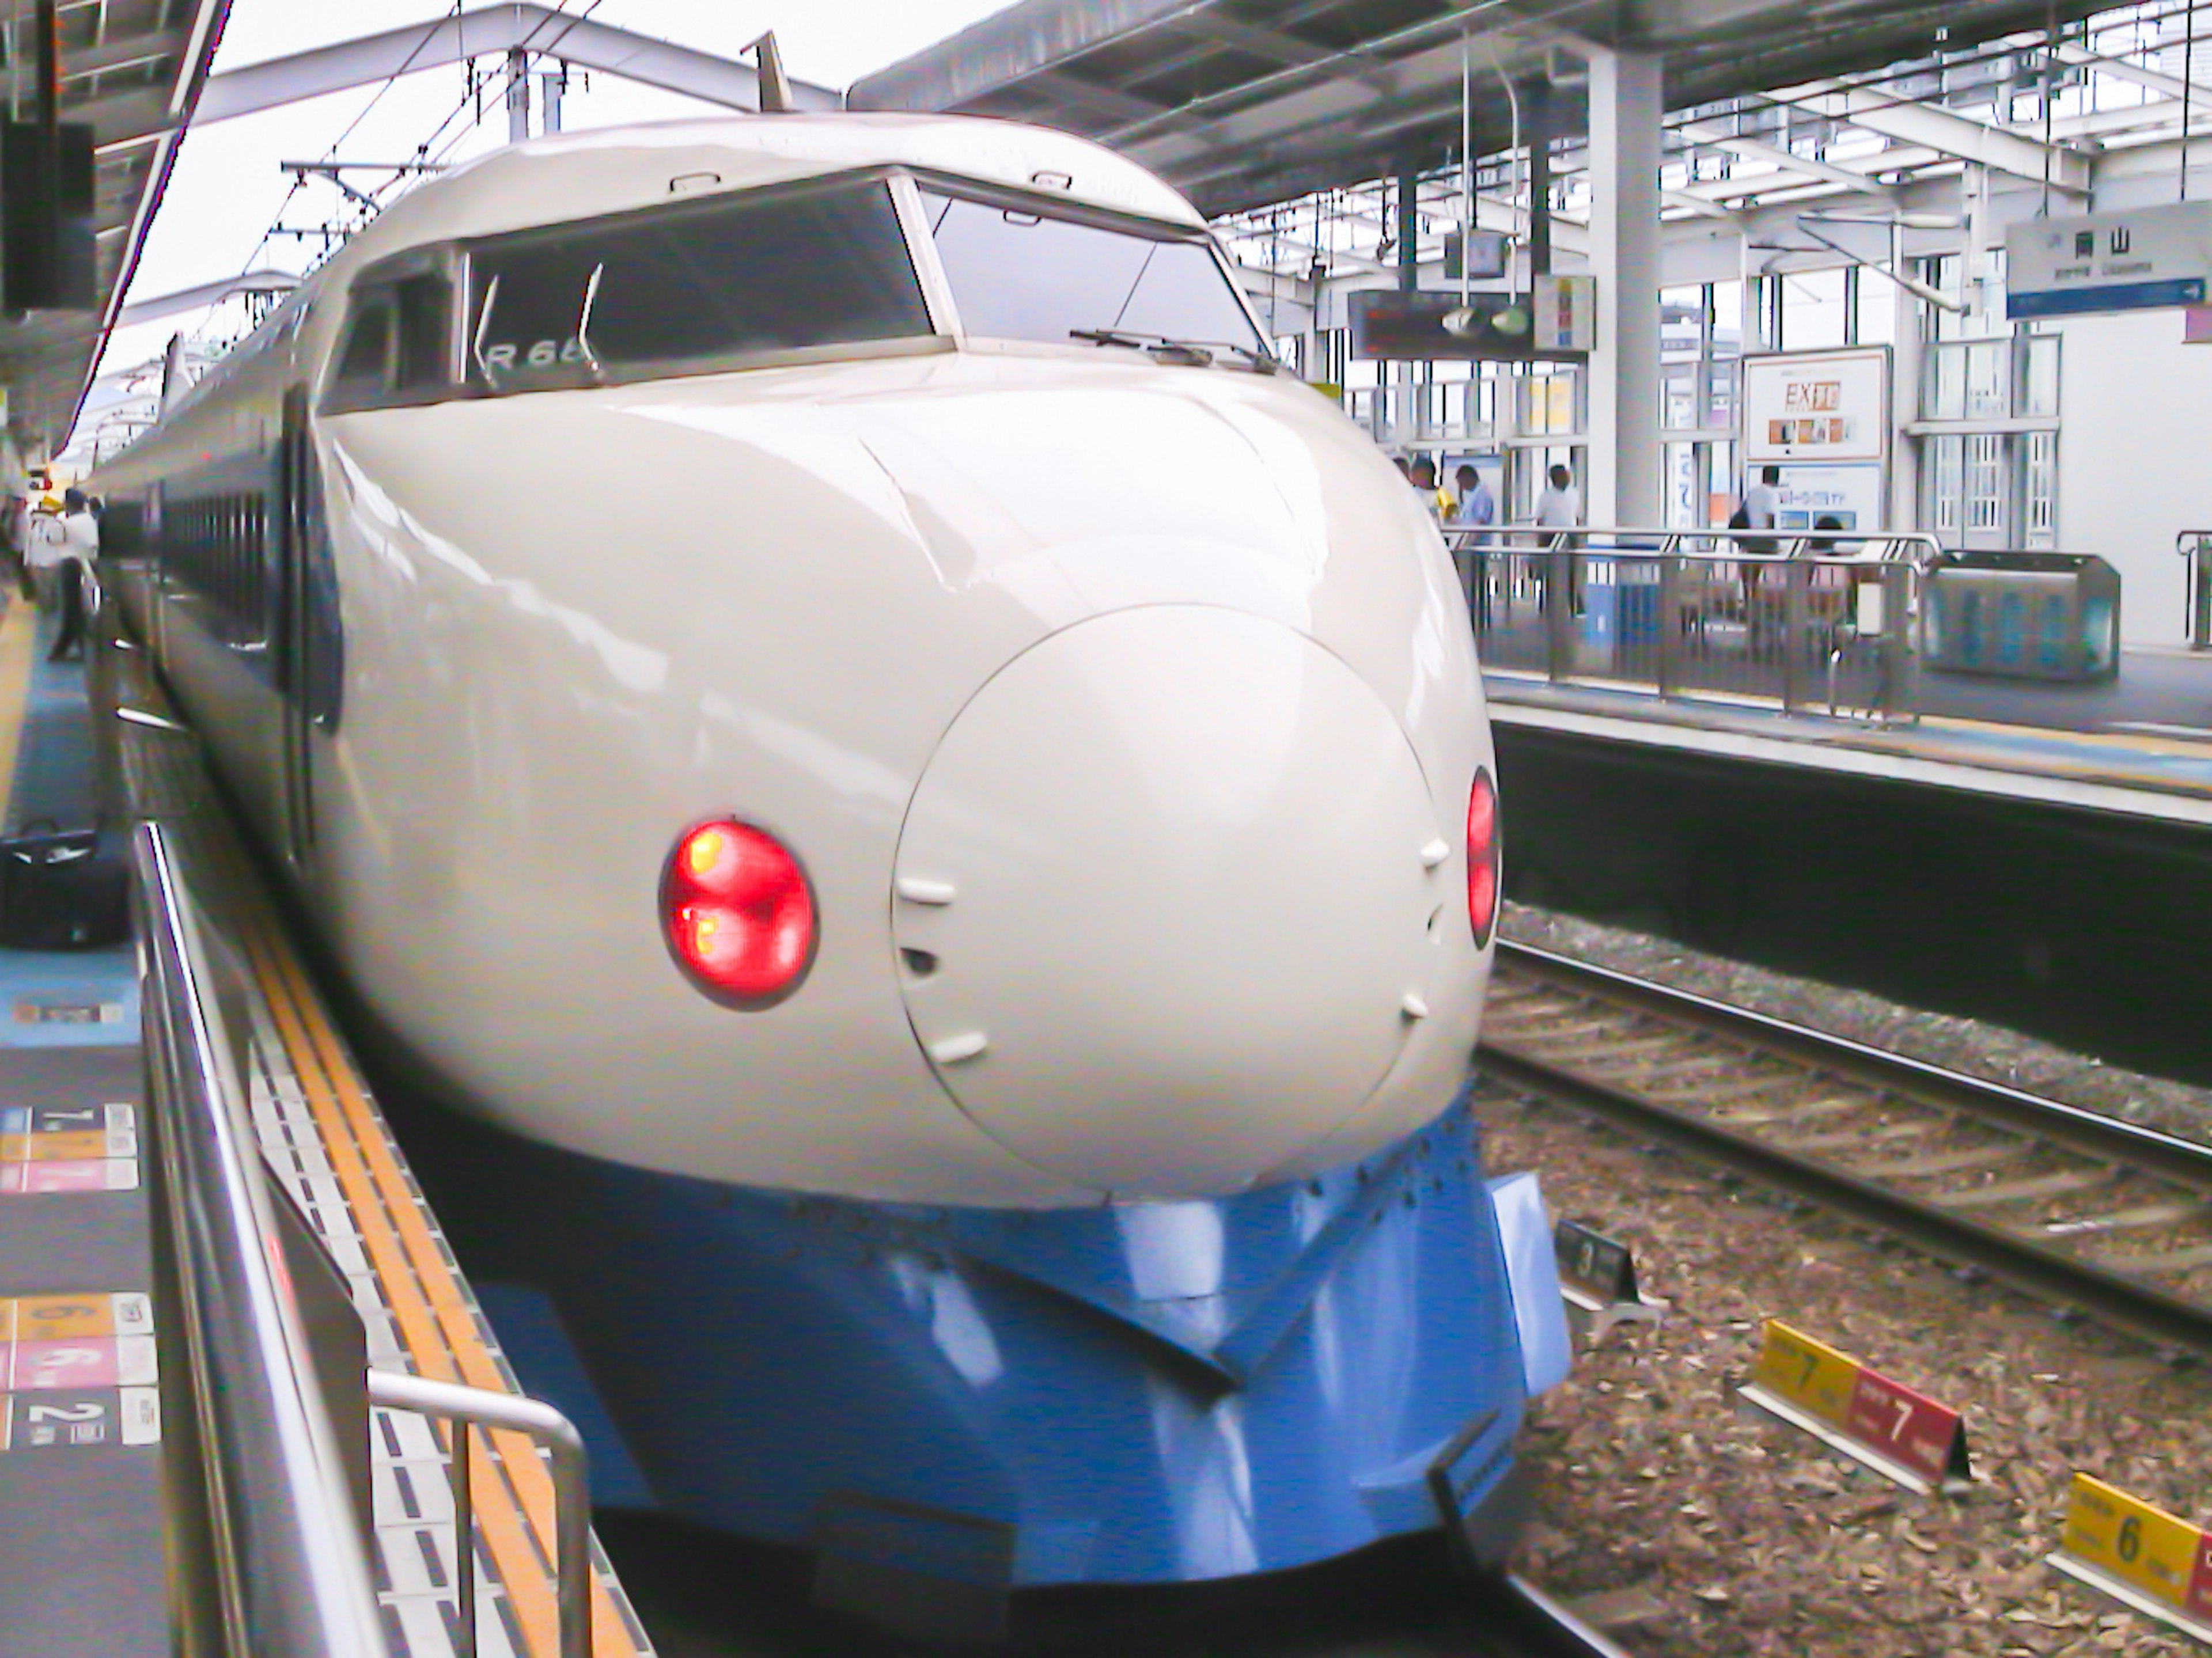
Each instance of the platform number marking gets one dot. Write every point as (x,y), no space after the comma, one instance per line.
(77,1370)
(80,1420)
(89,1148)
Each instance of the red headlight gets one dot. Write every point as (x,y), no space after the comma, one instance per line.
(1482,857)
(737,913)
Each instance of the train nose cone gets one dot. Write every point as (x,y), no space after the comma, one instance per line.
(1165,900)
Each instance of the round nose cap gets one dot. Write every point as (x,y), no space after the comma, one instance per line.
(1163,900)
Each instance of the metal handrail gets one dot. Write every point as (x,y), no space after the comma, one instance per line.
(2196,546)
(293,1573)
(466,1406)
(1915,547)
(1683,641)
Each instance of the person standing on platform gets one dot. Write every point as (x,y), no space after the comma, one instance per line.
(1560,505)
(1761,509)
(79,549)
(44,539)
(1476,508)
(1559,508)
(1422,475)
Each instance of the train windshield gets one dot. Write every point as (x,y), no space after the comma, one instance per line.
(725,278)
(1017,275)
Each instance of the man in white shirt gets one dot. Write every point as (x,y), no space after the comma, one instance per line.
(1560,505)
(1762,506)
(45,544)
(80,547)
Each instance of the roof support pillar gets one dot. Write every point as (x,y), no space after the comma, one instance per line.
(518,95)
(1626,111)
(1536,132)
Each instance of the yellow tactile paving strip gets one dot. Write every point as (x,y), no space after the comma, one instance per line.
(434,1322)
(437,1320)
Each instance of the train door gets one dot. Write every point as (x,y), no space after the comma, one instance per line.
(297,668)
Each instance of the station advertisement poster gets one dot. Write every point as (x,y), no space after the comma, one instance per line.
(2148,258)
(1817,406)
(1853,495)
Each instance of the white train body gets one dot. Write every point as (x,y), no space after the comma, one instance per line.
(1119,706)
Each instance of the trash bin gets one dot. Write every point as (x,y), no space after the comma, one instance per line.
(2027,616)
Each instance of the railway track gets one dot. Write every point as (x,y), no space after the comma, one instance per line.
(2093,1214)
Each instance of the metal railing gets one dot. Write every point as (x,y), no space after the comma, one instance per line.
(279,1402)
(290,1569)
(1808,619)
(2196,546)
(465,1406)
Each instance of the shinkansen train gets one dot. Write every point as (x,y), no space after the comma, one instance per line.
(812,674)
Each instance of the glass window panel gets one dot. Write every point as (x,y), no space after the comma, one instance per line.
(1720,482)
(1987,362)
(746,274)
(1727,318)
(1021,275)
(2040,488)
(2040,381)
(1877,310)
(1720,394)
(1986,482)
(424,309)
(1945,465)
(1813,309)
(1947,383)
(368,342)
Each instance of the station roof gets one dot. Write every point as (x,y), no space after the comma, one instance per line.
(1244,103)
(133,70)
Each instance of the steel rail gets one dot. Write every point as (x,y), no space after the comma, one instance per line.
(2113,1298)
(1540,1627)
(2108,1138)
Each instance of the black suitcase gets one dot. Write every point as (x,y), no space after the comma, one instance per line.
(60,890)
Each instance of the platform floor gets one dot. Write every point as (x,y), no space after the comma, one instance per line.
(87,1500)
(82,1501)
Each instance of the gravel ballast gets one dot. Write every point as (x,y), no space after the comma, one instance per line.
(1695,1530)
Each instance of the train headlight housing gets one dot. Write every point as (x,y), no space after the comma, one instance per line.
(1482,857)
(737,913)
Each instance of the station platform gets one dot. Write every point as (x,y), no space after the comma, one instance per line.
(105,1498)
(2138,745)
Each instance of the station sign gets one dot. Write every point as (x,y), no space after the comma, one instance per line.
(2150,259)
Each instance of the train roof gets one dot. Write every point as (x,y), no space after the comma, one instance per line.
(580,174)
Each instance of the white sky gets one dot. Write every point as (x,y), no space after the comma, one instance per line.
(227,189)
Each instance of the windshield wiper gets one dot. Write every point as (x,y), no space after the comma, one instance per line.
(1196,354)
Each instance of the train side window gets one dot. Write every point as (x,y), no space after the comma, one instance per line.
(421,308)
(365,364)
(398,342)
